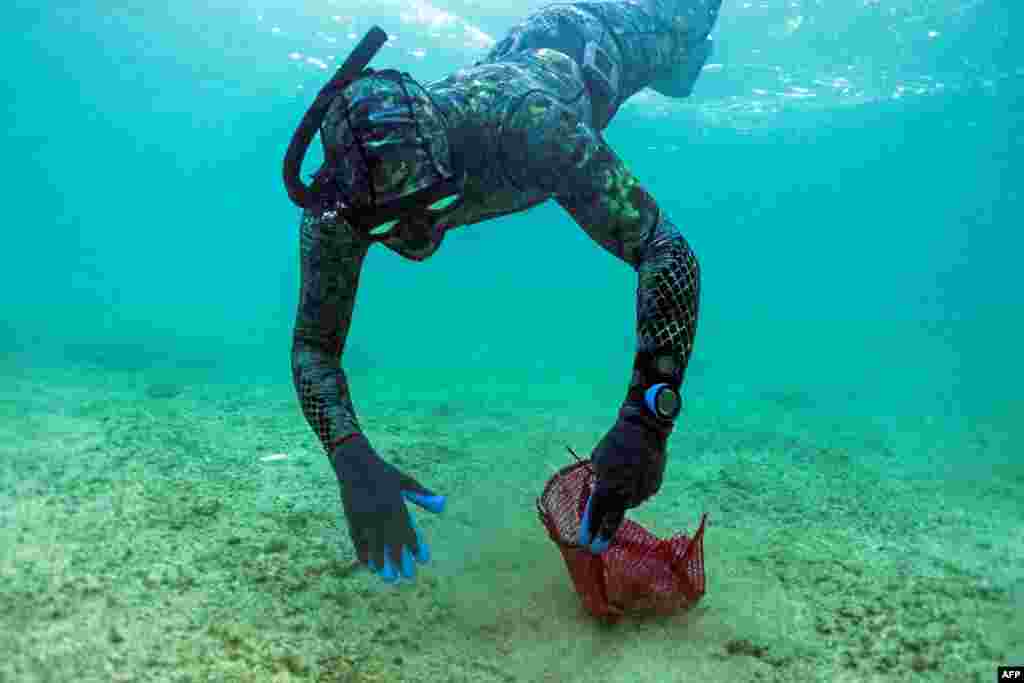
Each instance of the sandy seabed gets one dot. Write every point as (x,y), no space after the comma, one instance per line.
(158,526)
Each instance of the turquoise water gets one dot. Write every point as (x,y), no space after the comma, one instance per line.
(849,176)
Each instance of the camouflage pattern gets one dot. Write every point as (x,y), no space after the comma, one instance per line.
(402,133)
(524,126)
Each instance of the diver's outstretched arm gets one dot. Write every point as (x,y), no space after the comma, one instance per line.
(373,492)
(332,255)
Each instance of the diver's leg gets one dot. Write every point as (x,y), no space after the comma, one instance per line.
(622,47)
(582,35)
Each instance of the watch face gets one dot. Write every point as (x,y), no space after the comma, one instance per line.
(667,403)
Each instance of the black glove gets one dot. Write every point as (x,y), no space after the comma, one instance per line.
(373,493)
(629,462)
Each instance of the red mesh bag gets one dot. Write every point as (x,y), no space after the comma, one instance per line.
(638,573)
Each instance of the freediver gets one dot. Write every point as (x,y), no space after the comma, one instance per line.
(405,162)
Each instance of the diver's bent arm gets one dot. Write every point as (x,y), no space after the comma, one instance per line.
(331,258)
(553,150)
(626,221)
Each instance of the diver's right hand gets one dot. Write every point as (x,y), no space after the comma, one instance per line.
(373,493)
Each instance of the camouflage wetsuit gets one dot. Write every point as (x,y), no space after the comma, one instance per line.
(525,125)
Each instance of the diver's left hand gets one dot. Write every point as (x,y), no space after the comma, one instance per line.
(630,464)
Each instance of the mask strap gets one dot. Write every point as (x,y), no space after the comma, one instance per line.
(415,122)
(359,145)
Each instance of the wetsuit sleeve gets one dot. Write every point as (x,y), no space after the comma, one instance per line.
(553,150)
(331,258)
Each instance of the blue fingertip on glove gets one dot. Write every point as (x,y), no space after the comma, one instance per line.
(407,569)
(595,544)
(387,572)
(433,504)
(423,556)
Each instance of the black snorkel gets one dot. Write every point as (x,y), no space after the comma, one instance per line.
(305,196)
